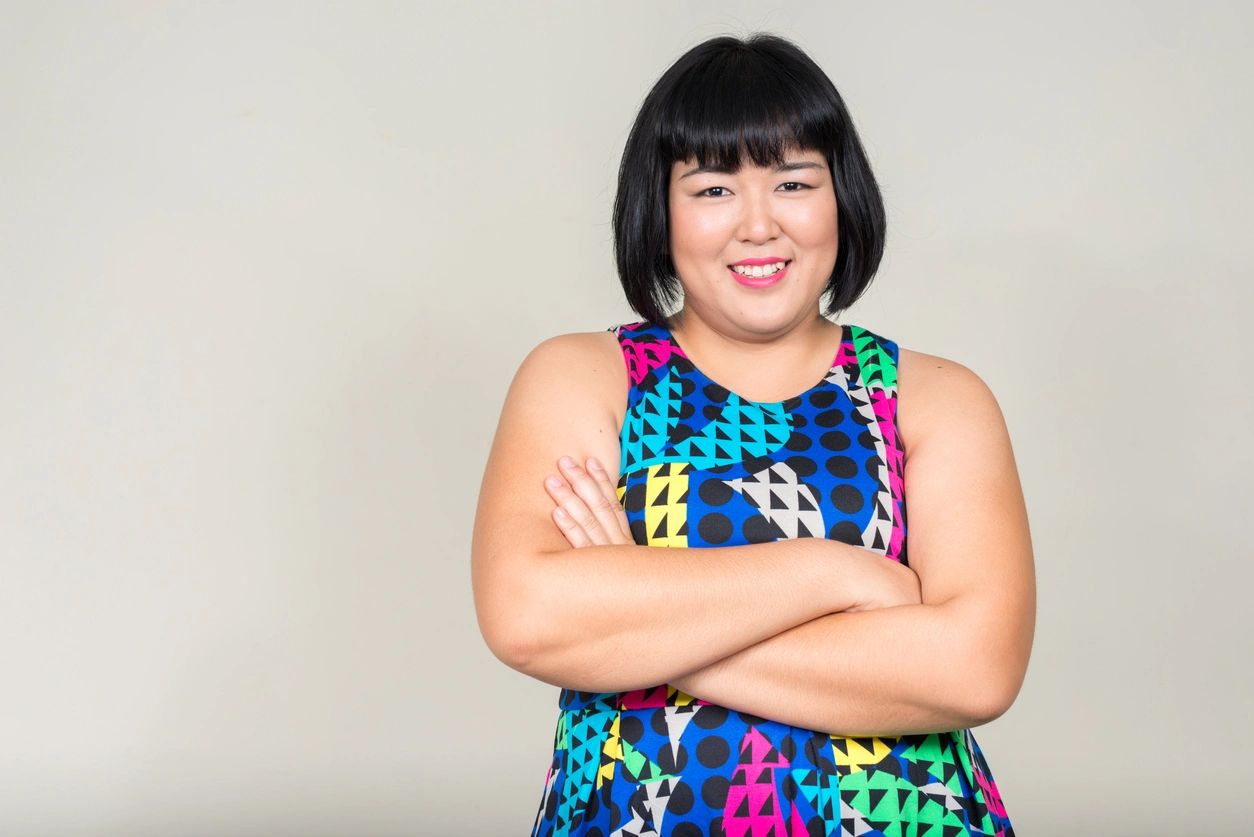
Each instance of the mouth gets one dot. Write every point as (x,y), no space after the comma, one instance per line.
(758,276)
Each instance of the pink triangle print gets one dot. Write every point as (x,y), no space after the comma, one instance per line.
(753,804)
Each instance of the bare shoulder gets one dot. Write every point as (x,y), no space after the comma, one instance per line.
(935,393)
(584,366)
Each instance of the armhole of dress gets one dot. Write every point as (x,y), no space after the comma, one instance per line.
(617,331)
(882,376)
(893,351)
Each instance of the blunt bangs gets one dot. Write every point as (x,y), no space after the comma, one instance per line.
(723,99)
(728,106)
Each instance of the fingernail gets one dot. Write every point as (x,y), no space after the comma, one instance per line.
(567,462)
(552,482)
(592,463)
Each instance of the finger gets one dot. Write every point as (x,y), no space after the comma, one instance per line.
(573,534)
(566,498)
(605,505)
(598,516)
(610,492)
(570,529)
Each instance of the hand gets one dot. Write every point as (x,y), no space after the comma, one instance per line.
(588,512)
(888,584)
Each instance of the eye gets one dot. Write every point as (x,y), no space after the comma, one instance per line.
(795,183)
(704,191)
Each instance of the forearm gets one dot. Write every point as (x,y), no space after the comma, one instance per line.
(889,672)
(624,617)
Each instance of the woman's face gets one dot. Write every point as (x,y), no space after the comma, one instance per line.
(720,218)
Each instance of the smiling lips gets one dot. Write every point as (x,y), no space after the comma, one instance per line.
(759,273)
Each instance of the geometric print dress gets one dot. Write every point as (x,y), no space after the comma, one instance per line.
(700,467)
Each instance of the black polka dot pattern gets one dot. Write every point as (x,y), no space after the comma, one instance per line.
(703,467)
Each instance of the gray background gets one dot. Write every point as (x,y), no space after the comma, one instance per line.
(268,269)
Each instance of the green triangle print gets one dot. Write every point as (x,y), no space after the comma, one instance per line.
(877,365)
(889,803)
(936,759)
(640,767)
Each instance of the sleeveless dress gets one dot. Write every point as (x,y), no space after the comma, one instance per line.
(702,467)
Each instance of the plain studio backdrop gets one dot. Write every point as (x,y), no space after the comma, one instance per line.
(269,268)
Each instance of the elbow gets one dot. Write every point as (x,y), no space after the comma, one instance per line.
(511,645)
(570,663)
(990,669)
(988,707)
(990,694)
(506,624)
(519,622)
(516,651)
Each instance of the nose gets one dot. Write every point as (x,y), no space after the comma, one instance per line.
(757,219)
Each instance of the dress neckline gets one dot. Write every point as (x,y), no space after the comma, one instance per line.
(844,337)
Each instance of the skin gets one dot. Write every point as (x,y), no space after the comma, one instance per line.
(970,550)
(770,341)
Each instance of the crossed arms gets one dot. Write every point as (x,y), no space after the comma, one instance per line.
(801,631)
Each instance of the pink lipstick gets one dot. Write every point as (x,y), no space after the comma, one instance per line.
(760,281)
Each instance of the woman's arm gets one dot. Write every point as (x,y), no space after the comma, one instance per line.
(626,617)
(620,616)
(957,659)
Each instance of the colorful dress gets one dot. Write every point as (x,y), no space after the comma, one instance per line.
(703,467)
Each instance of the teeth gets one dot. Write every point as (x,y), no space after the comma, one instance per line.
(758,270)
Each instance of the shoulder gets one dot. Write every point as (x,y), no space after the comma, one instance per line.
(937,395)
(584,349)
(583,358)
(577,371)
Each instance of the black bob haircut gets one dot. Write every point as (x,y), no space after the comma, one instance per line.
(762,93)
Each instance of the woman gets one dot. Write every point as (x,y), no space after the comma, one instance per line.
(782,667)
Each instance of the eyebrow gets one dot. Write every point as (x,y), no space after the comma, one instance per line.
(787,166)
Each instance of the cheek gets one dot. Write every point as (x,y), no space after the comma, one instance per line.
(815,224)
(698,232)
